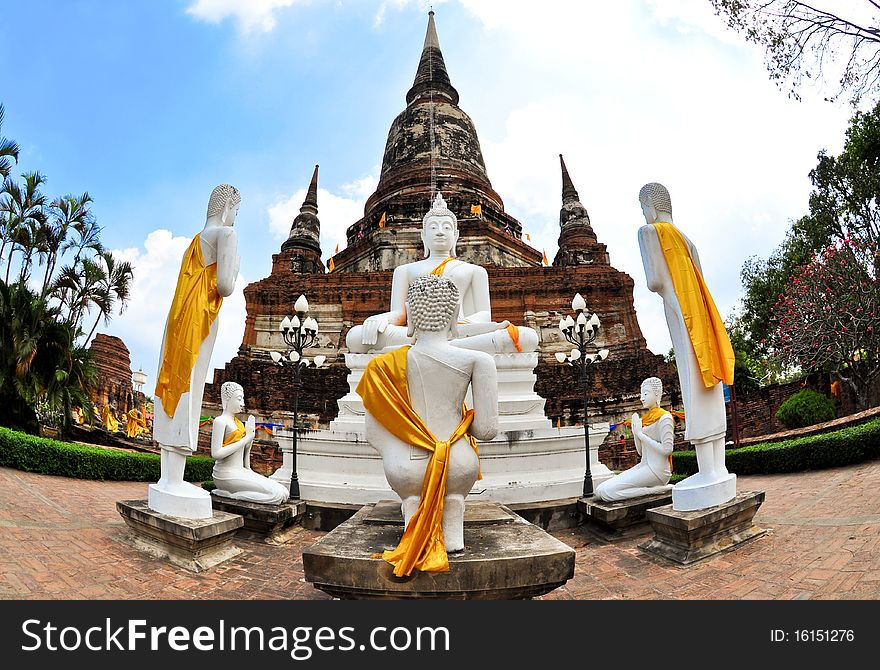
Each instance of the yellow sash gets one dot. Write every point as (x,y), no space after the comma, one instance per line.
(653,415)
(195,306)
(701,318)
(385,392)
(236,434)
(440,269)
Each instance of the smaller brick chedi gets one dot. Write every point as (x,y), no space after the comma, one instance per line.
(433,146)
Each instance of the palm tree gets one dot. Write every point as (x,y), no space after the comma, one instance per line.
(78,287)
(8,150)
(115,284)
(68,214)
(23,207)
(38,360)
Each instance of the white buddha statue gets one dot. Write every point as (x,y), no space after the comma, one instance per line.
(653,435)
(416,420)
(231,442)
(476,330)
(703,354)
(207,275)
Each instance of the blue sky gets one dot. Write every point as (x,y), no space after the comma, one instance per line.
(148,105)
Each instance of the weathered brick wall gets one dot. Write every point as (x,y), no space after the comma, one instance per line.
(757,410)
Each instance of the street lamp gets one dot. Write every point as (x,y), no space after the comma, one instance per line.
(581,331)
(299,333)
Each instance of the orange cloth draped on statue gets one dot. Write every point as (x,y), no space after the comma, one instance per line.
(195,306)
(701,318)
(385,392)
(136,425)
(653,415)
(236,434)
(109,420)
(440,269)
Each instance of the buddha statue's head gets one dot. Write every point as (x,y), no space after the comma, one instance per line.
(232,397)
(432,305)
(440,228)
(655,202)
(652,392)
(224,201)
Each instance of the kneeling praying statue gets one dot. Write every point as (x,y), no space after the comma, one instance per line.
(653,435)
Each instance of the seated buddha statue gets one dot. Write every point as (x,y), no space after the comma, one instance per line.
(476,330)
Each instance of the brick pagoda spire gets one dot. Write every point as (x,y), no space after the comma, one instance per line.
(302,249)
(577,240)
(433,145)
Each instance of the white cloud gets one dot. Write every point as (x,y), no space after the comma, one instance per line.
(336,212)
(142,324)
(705,121)
(251,14)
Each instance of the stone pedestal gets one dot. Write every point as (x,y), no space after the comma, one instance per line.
(193,544)
(271,524)
(505,558)
(613,521)
(687,537)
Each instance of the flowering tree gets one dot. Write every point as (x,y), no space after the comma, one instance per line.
(828,317)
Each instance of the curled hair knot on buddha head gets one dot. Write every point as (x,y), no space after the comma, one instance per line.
(656,386)
(657,196)
(432,305)
(220,196)
(228,391)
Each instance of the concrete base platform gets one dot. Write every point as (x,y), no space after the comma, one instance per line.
(192,544)
(505,558)
(272,524)
(687,537)
(612,521)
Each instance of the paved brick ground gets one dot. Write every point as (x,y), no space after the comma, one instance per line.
(61,539)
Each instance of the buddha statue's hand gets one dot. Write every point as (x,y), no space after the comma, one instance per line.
(372,327)
(251,426)
(637,425)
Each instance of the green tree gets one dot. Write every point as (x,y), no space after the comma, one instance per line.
(38,361)
(114,287)
(23,208)
(828,317)
(8,150)
(802,41)
(843,205)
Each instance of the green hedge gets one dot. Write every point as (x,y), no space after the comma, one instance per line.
(826,450)
(66,459)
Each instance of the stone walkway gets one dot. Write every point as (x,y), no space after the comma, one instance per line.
(60,539)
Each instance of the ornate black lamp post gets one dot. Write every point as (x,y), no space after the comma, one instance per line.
(581,331)
(299,334)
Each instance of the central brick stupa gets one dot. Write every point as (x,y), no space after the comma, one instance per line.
(433,146)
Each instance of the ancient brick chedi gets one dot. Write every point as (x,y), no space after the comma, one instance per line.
(433,146)
(113,379)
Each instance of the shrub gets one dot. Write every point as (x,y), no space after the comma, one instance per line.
(814,452)
(805,408)
(51,457)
